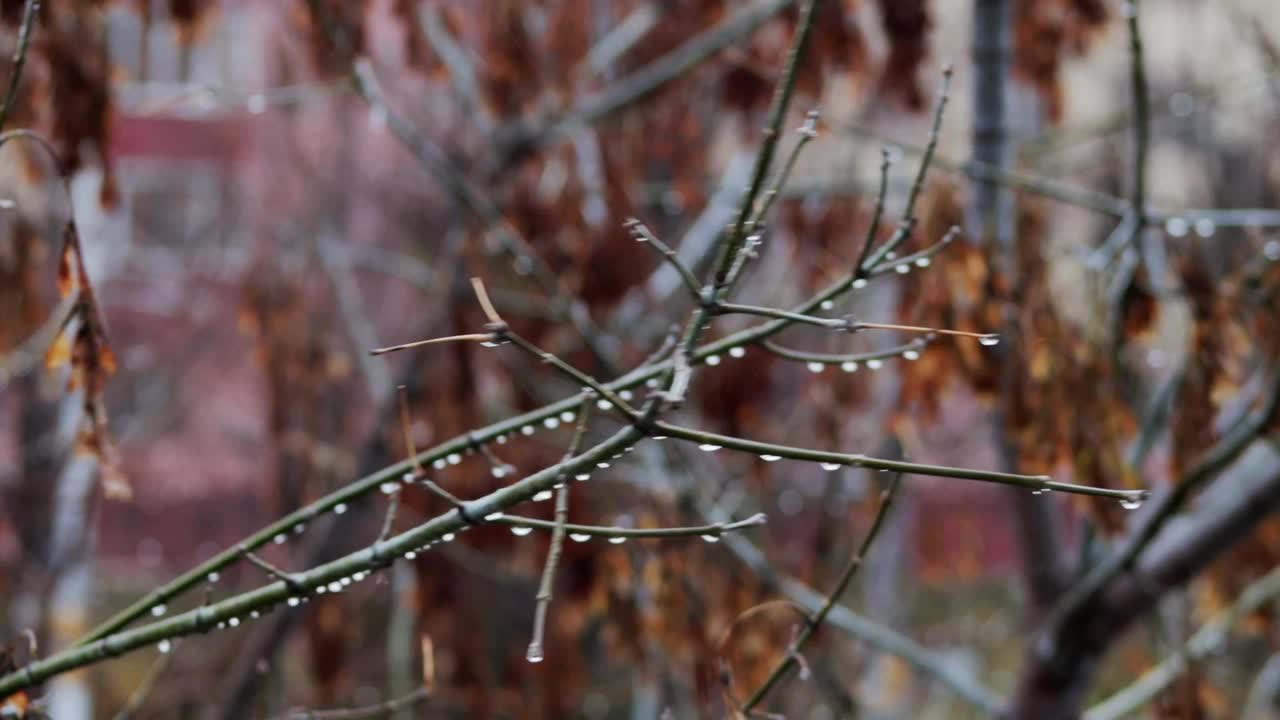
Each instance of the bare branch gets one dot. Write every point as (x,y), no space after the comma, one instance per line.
(545,587)
(846,577)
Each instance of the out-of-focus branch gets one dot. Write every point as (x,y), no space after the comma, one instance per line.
(1098,202)
(1141,100)
(378,710)
(477,204)
(626,91)
(29,13)
(22,358)
(1206,470)
(1063,660)
(455,59)
(1207,640)
(622,37)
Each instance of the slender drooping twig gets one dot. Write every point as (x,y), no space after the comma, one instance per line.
(849,362)
(389,520)
(846,576)
(149,681)
(546,586)
(19,58)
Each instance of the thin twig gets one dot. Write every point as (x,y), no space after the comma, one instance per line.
(393,504)
(920,259)
(706,532)
(501,331)
(643,234)
(406,426)
(781,101)
(486,305)
(19,58)
(377,710)
(808,131)
(861,268)
(270,569)
(140,694)
(725,308)
(986,338)
(546,585)
(711,442)
(908,213)
(847,362)
(470,337)
(850,570)
(1141,115)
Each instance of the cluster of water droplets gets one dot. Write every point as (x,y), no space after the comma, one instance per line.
(1179,226)
(736,352)
(850,366)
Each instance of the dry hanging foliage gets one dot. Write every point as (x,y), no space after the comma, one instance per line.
(91,361)
(80,339)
